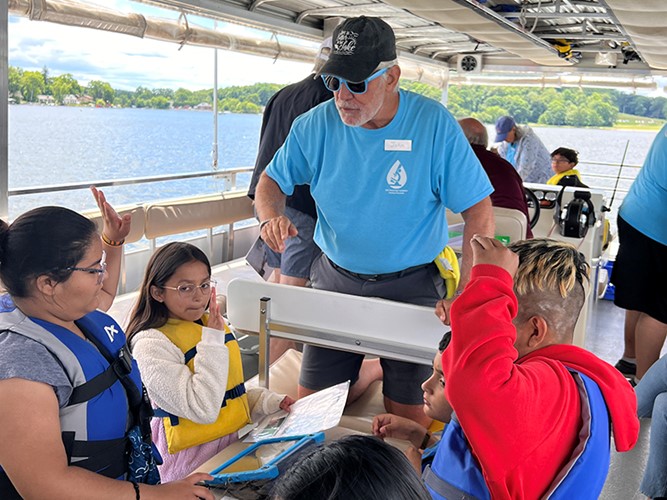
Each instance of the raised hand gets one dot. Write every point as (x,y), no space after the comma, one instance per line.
(487,250)
(116,228)
(215,319)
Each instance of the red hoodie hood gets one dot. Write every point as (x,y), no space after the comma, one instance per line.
(616,390)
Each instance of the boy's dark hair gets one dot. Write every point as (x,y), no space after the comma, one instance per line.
(444,341)
(550,282)
(569,154)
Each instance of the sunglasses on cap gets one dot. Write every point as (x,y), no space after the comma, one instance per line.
(333,83)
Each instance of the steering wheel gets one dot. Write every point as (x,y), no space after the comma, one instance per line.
(533,206)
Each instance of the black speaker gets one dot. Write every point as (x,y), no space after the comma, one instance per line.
(577,216)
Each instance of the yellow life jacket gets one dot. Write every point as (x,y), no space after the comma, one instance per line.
(234,414)
(448,265)
(556,178)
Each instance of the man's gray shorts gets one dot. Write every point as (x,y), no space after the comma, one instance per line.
(300,251)
(321,368)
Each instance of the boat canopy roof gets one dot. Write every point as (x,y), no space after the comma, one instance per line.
(600,43)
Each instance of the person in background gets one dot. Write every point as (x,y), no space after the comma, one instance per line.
(436,407)
(525,400)
(352,468)
(383,165)
(59,425)
(652,403)
(507,184)
(292,266)
(190,362)
(523,149)
(640,269)
(563,161)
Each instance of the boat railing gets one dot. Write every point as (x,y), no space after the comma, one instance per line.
(229,176)
(217,214)
(600,180)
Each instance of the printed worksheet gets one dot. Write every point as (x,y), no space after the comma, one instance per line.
(314,413)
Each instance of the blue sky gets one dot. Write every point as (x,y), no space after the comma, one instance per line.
(127,62)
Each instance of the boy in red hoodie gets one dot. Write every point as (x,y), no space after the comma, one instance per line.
(532,412)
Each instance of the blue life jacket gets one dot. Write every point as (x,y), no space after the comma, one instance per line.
(455,473)
(107,398)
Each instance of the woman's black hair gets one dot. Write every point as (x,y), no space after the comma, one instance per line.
(569,154)
(352,468)
(149,313)
(42,241)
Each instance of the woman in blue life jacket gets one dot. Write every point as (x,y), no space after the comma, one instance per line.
(190,362)
(70,393)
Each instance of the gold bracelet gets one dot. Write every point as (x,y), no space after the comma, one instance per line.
(112,243)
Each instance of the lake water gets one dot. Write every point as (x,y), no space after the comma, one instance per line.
(55,145)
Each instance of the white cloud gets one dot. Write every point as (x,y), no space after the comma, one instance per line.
(127,62)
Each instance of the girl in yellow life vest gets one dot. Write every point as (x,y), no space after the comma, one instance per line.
(190,362)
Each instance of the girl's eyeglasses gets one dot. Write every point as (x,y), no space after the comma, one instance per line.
(188,289)
(94,270)
(333,83)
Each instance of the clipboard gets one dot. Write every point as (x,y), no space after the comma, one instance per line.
(264,460)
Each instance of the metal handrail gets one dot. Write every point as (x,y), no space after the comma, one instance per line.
(229,175)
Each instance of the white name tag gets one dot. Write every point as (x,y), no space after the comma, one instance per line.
(398,145)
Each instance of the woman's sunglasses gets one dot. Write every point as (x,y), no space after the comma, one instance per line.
(333,83)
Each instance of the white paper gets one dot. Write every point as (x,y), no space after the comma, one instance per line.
(318,412)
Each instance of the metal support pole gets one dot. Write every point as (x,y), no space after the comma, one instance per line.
(214,152)
(264,340)
(444,96)
(4,111)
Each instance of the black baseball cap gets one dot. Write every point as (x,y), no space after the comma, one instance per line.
(360,44)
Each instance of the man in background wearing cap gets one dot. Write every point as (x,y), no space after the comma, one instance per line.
(507,184)
(292,267)
(382,165)
(522,148)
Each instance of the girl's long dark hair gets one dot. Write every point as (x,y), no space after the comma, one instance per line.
(149,313)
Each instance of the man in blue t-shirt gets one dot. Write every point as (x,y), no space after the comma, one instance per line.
(382,165)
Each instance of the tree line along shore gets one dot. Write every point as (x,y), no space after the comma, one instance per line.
(558,107)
